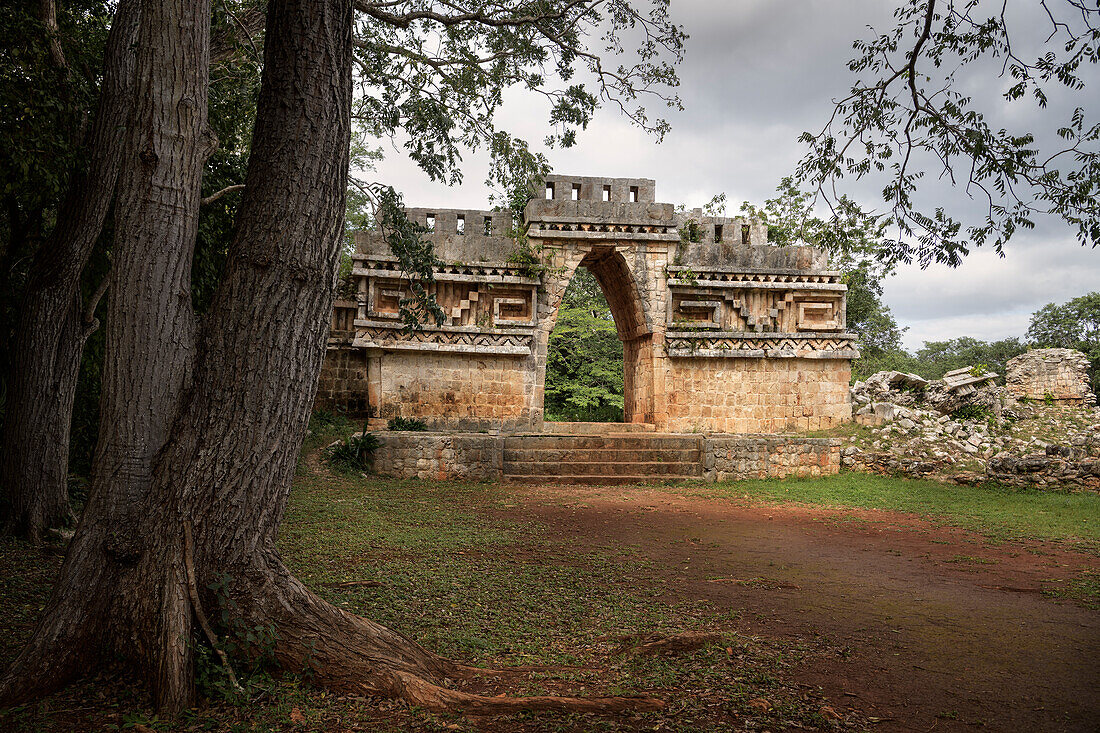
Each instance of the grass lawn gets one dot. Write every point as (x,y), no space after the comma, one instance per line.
(999,512)
(439,563)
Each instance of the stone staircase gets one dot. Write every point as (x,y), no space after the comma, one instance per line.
(609,458)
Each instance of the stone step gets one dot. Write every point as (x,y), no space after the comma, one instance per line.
(597,480)
(630,441)
(596,428)
(602,468)
(592,455)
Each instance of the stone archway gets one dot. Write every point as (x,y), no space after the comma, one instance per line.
(721,332)
(628,309)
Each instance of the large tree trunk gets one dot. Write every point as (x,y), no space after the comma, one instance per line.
(148,361)
(49,340)
(223,477)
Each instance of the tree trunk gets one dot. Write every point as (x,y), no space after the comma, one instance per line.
(225,471)
(49,340)
(149,357)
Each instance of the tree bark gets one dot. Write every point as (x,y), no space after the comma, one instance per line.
(34,453)
(149,356)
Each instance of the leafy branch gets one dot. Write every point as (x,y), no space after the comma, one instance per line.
(904,118)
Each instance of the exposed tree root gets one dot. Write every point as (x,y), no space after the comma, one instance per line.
(356,584)
(353,654)
(196,606)
(418,691)
(652,645)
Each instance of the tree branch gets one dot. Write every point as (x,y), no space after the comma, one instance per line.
(196,605)
(91,323)
(48,11)
(215,196)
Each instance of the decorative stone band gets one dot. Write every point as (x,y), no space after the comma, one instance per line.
(550,228)
(732,344)
(454,272)
(747,277)
(453,339)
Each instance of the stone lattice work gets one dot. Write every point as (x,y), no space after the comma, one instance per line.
(1059,374)
(721,332)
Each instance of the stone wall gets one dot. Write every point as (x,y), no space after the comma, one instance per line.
(477,456)
(467,392)
(462,456)
(1063,467)
(757,395)
(737,458)
(1060,374)
(343,383)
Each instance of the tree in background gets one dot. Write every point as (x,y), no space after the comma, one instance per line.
(936,358)
(61,157)
(584,361)
(1074,324)
(55,371)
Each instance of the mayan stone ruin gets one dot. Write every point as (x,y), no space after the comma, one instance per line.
(721,331)
(1055,374)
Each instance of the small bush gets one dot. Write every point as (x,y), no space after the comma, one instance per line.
(972,412)
(355,453)
(527,260)
(407,423)
(323,420)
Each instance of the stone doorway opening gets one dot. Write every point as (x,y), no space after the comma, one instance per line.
(598,347)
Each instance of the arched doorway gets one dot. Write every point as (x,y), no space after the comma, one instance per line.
(610,271)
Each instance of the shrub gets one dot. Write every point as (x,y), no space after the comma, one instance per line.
(407,423)
(355,453)
(972,412)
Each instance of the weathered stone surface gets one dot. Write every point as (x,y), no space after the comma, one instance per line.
(1057,374)
(960,388)
(630,457)
(999,444)
(742,457)
(1059,466)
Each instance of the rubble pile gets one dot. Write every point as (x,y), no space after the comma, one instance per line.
(966,429)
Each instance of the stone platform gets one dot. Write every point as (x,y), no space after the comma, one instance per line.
(592,455)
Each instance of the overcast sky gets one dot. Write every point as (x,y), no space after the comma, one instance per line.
(758,73)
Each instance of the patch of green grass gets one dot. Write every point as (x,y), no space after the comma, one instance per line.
(1084,589)
(1002,512)
(971,560)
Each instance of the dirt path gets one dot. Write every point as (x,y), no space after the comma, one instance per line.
(935,628)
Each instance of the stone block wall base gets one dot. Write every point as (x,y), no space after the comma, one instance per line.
(481,457)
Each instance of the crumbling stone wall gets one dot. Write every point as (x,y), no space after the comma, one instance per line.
(1064,467)
(456,456)
(1059,374)
(736,458)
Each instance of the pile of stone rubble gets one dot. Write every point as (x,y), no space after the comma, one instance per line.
(966,429)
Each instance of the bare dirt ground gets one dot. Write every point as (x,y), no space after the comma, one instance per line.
(937,628)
